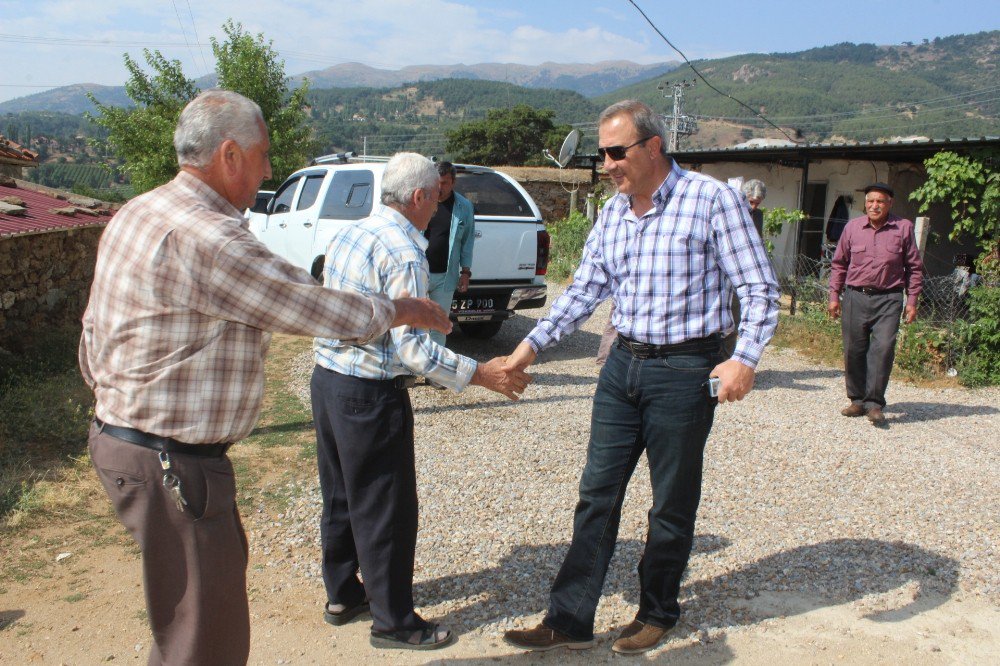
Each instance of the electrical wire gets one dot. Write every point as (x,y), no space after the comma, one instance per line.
(201,47)
(693,69)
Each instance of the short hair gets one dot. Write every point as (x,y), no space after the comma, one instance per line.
(754,189)
(404,174)
(445,168)
(648,123)
(211,118)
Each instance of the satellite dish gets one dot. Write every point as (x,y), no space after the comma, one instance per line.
(568,149)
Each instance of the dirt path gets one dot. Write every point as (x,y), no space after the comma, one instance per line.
(87,607)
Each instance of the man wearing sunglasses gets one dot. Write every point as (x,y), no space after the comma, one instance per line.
(669,249)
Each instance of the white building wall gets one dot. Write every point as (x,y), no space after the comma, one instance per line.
(783,183)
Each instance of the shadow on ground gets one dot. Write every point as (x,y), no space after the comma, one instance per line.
(792,379)
(857,568)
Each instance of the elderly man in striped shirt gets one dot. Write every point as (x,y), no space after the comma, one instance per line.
(669,249)
(173,345)
(364,421)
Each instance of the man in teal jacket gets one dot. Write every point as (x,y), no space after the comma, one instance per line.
(450,236)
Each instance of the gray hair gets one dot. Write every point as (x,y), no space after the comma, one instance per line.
(404,174)
(648,123)
(211,118)
(754,189)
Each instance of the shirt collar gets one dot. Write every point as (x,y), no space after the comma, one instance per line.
(889,221)
(662,194)
(411,231)
(213,199)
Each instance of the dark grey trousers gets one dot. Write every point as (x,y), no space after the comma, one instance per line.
(367,475)
(869,324)
(193,561)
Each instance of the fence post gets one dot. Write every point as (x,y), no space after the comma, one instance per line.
(572,202)
(921,230)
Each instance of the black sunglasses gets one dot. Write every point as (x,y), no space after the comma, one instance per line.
(618,152)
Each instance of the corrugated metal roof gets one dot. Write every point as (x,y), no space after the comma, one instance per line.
(916,149)
(38,217)
(12,153)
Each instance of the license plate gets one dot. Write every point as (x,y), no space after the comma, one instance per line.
(472,304)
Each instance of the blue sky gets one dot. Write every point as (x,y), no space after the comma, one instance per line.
(49,43)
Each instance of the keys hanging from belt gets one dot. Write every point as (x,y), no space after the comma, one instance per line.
(171,482)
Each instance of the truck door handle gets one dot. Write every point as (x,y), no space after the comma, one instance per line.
(282,225)
(307,224)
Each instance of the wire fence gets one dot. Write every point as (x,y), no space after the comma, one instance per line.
(944,300)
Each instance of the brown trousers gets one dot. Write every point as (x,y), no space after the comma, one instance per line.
(193,561)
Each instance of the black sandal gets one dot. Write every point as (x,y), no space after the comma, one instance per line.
(338,618)
(431,637)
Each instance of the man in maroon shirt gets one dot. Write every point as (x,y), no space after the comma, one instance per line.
(876,259)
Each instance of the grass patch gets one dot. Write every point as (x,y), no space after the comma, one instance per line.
(46,478)
(75,598)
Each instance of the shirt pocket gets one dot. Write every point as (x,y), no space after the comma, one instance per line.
(861,254)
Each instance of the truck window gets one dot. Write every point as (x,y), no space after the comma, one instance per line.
(349,196)
(282,202)
(491,194)
(310,190)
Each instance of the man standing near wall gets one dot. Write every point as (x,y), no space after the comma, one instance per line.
(876,259)
(173,346)
(450,237)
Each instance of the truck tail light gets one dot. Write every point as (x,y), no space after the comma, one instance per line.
(542,259)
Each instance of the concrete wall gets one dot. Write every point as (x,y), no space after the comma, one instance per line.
(848,178)
(44,281)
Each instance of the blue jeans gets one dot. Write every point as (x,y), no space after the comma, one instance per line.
(659,406)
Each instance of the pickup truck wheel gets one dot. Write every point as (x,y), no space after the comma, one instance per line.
(481,331)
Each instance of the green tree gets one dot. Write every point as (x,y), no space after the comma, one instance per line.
(142,136)
(248,65)
(971,187)
(514,137)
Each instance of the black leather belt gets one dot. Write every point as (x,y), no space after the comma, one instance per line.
(695,346)
(157,443)
(872,291)
(404,381)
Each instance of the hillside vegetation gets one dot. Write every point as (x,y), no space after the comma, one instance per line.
(947,87)
(943,88)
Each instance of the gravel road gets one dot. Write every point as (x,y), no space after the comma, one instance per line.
(796,498)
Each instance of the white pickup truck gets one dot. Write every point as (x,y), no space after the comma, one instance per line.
(511,248)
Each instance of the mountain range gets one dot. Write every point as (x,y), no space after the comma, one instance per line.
(587,79)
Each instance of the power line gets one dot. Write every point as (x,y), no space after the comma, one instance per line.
(693,69)
(194,29)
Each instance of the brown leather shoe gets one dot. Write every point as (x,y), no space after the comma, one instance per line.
(542,638)
(876,416)
(853,409)
(638,637)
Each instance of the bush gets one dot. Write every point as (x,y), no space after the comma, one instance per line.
(978,339)
(922,350)
(568,237)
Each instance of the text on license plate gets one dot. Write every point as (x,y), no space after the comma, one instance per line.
(472,304)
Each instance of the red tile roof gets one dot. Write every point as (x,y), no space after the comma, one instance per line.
(12,153)
(38,216)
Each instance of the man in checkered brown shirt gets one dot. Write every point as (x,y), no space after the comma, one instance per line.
(173,345)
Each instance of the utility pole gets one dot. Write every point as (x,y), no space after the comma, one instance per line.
(679,123)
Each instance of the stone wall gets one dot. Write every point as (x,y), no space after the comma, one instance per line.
(44,281)
(548,187)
